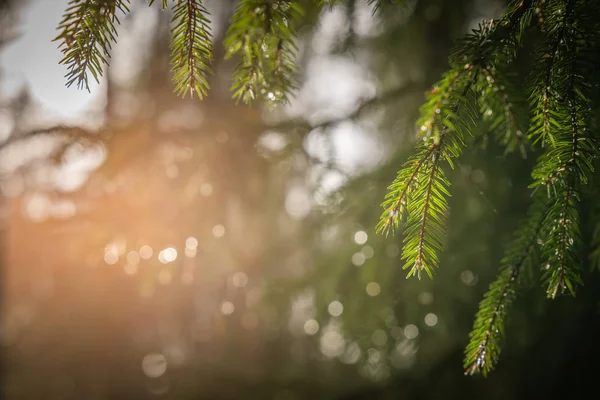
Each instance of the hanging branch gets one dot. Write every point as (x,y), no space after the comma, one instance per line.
(483,351)
(563,169)
(87,31)
(191,47)
(262,34)
(419,193)
(503,109)
(542,97)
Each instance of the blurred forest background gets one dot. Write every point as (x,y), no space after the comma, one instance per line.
(159,247)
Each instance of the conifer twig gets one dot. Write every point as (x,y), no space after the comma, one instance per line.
(488,332)
(191,47)
(87,31)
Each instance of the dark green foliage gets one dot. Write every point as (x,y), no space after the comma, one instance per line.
(561,103)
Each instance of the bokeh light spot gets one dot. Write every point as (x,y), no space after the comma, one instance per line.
(218,231)
(468,278)
(311,327)
(358,259)
(373,289)
(133,258)
(361,237)
(367,251)
(227,308)
(154,365)
(146,252)
(167,255)
(239,279)
(335,308)
(191,242)
(431,319)
(411,331)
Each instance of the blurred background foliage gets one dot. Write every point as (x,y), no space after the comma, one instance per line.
(159,247)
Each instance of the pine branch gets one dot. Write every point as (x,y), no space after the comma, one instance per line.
(564,168)
(191,47)
(499,104)
(483,351)
(87,31)
(425,225)
(419,192)
(544,96)
(262,34)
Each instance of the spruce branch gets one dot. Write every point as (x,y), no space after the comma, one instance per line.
(398,191)
(191,47)
(545,95)
(560,249)
(262,35)
(483,351)
(426,218)
(499,103)
(87,31)
(564,167)
(419,193)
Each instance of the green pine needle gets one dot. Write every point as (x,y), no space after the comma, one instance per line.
(262,35)
(87,31)
(483,351)
(563,169)
(502,108)
(419,193)
(545,95)
(191,48)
